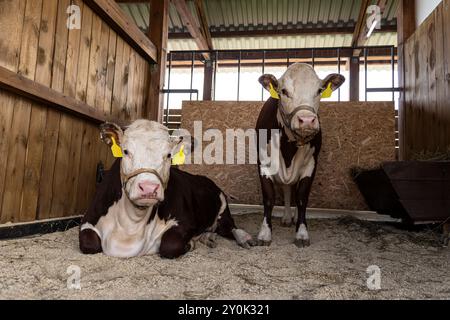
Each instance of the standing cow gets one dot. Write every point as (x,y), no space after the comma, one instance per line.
(144,205)
(295,114)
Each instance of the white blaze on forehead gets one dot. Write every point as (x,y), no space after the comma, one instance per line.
(147,142)
(302,83)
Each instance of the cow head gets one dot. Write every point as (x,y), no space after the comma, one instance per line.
(300,91)
(147,149)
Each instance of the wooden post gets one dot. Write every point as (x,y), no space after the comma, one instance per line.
(208,80)
(354,78)
(158,33)
(406,25)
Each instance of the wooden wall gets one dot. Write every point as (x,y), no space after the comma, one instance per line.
(427,86)
(48,157)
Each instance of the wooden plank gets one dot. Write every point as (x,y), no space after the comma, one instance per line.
(191,24)
(406,25)
(69,138)
(35,148)
(12,14)
(131,87)
(102,64)
(83,60)
(354,78)
(82,82)
(121,23)
(360,23)
(431,117)
(21,118)
(118,75)
(200,7)
(11,23)
(93,60)
(110,73)
(445,108)
(158,34)
(54,116)
(124,112)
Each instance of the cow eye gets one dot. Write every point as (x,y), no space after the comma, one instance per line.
(319,92)
(169,156)
(285,93)
(126,152)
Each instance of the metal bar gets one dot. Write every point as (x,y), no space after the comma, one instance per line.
(313,56)
(239,74)
(393,73)
(287,58)
(339,71)
(168,87)
(290,49)
(371,90)
(192,74)
(215,73)
(263,70)
(365,73)
(180,91)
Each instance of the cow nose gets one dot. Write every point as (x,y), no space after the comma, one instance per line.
(307,121)
(147,187)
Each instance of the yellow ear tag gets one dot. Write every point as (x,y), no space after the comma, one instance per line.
(273,92)
(179,157)
(327,92)
(116,150)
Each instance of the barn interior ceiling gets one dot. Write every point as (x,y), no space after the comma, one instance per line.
(265,24)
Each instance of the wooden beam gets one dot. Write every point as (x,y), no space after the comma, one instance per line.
(406,26)
(360,23)
(188,20)
(25,87)
(208,80)
(199,5)
(158,34)
(114,16)
(354,78)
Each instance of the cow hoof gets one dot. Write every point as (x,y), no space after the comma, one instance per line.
(263,243)
(302,243)
(90,242)
(209,239)
(248,244)
(211,243)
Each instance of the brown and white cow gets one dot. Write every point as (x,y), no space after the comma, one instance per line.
(144,205)
(295,115)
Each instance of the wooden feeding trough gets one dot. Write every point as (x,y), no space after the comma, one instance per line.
(417,192)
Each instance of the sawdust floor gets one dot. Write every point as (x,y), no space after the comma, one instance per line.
(333,267)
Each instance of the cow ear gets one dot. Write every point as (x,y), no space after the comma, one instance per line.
(110,130)
(175,141)
(335,79)
(267,79)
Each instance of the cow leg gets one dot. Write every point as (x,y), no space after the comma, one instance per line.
(268,192)
(227,229)
(175,243)
(301,199)
(106,193)
(286,220)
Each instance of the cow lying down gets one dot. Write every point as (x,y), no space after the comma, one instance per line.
(145,206)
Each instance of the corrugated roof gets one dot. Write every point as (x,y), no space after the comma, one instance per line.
(248,15)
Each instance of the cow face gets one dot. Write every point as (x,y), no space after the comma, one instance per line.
(300,91)
(147,149)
